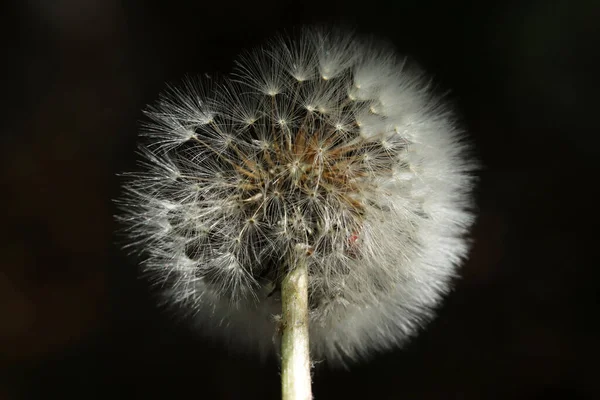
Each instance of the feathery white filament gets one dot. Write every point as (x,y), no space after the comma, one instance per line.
(328,142)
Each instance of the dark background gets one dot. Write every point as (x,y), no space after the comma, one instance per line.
(77,322)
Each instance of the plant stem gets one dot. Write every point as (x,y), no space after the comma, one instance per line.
(295,356)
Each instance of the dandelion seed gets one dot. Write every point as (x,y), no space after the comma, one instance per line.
(321,143)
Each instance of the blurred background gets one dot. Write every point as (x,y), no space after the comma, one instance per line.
(77,321)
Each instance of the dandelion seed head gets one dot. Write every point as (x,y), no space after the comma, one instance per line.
(320,143)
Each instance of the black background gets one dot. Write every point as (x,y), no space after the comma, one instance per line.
(77,322)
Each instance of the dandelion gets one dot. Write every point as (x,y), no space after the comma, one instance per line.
(326,151)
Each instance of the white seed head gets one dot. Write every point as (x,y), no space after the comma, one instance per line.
(327,142)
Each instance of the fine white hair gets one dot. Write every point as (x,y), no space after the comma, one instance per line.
(326,140)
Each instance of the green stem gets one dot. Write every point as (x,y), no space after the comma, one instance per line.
(295,356)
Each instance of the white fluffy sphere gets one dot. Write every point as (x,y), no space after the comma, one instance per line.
(326,141)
